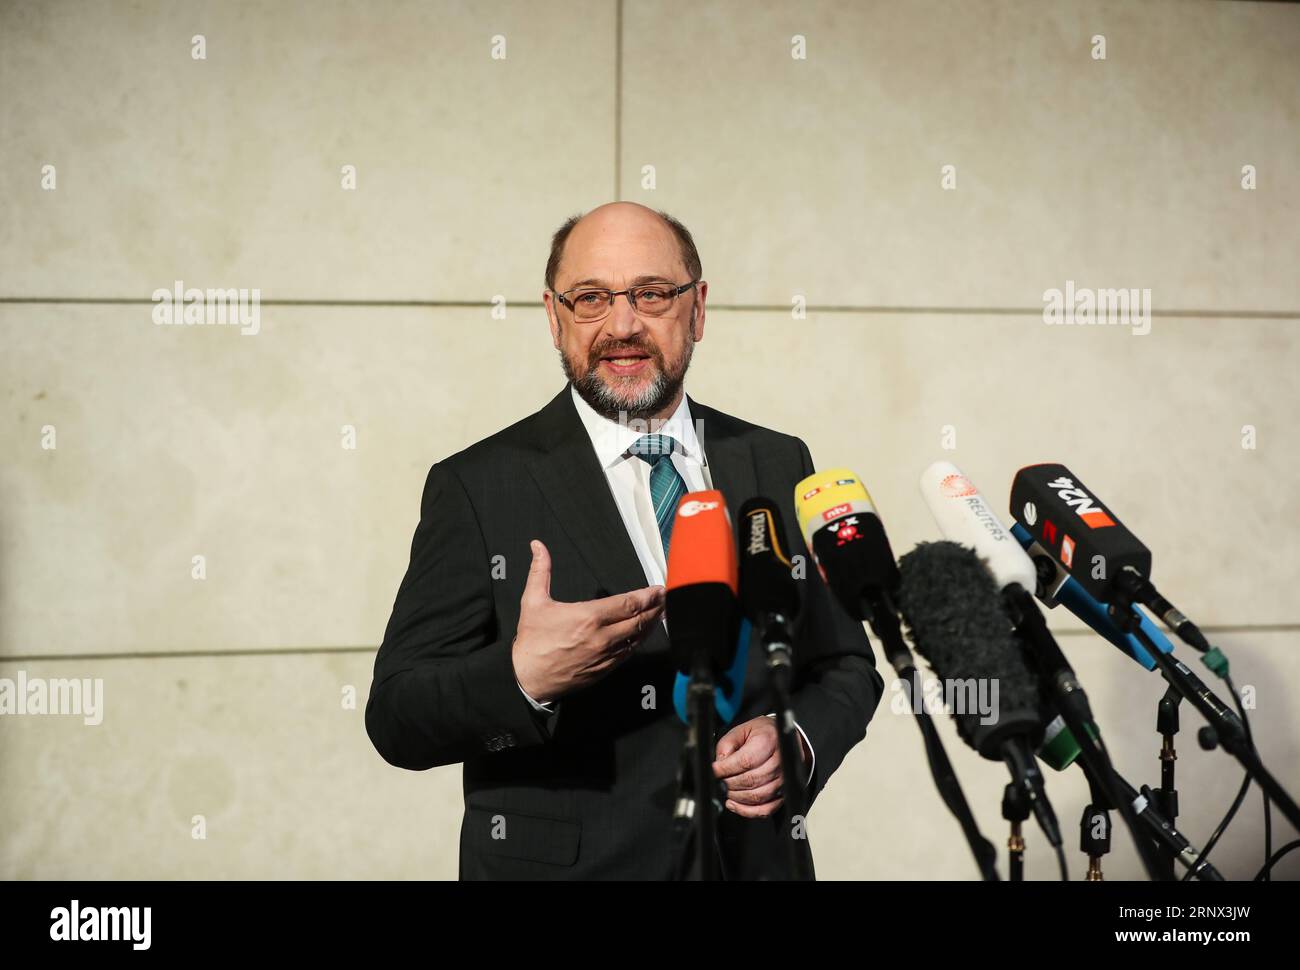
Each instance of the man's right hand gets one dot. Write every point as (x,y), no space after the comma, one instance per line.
(560,647)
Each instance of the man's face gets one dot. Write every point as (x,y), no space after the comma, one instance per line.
(627,364)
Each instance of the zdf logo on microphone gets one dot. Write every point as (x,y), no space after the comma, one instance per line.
(694,508)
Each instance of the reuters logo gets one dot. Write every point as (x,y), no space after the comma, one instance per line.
(957,486)
(694,508)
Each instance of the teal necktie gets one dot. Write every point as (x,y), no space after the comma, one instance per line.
(666,485)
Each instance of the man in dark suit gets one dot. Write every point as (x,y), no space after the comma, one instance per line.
(553,685)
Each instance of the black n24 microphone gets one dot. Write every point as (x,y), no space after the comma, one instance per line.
(1052,505)
(1089,541)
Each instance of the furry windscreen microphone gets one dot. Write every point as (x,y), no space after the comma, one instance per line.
(955,616)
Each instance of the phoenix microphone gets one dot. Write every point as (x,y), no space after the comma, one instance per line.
(769,597)
(1090,542)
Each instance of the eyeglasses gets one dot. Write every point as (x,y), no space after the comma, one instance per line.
(590,304)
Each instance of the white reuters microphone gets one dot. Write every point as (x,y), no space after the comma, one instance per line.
(964,517)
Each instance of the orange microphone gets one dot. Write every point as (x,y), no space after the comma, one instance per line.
(702,583)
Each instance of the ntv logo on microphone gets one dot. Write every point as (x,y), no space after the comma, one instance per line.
(1087,307)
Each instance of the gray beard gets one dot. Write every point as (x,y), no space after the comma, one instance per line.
(609,404)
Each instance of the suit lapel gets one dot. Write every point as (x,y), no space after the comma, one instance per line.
(575,487)
(731,463)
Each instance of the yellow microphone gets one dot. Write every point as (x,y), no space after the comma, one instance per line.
(827,495)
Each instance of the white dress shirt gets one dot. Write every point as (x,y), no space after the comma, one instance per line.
(629,483)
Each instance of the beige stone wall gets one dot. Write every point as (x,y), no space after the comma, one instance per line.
(816,178)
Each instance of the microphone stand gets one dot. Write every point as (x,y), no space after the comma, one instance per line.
(1070,701)
(1166,796)
(776,644)
(1094,827)
(684,812)
(1226,725)
(884,623)
(1161,830)
(1015,809)
(699,748)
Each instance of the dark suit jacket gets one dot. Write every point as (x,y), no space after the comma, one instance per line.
(587,793)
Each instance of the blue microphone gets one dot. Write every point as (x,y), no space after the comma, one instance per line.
(730,686)
(1064,589)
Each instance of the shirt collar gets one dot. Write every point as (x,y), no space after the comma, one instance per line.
(610,439)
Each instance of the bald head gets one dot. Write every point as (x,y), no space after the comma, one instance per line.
(619,225)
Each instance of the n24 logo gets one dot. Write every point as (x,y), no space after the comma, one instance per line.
(1082,503)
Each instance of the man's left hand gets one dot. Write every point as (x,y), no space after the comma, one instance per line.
(749,764)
